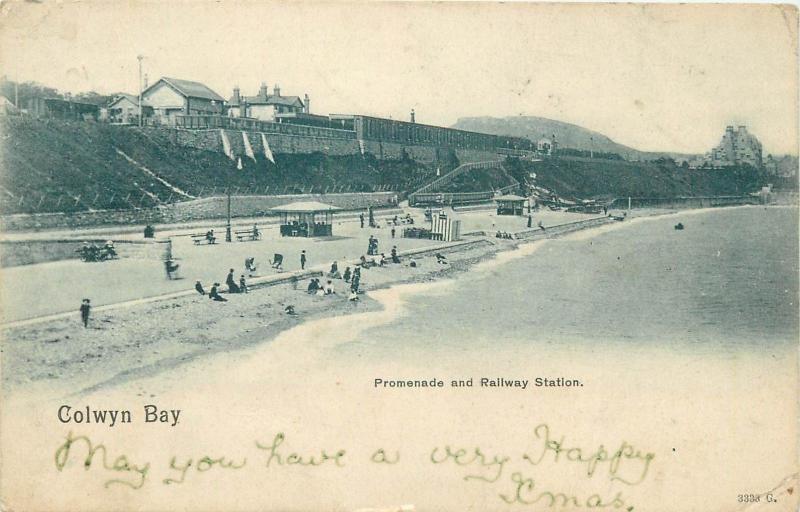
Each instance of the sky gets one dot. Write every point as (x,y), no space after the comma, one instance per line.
(659,77)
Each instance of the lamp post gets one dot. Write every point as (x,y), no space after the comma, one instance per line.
(228,225)
(139,58)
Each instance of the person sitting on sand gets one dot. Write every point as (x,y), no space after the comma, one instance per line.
(363,261)
(199,287)
(346,275)
(289,310)
(250,265)
(213,294)
(334,268)
(256,232)
(329,288)
(210,236)
(412,263)
(383,261)
(353,296)
(232,286)
(243,285)
(313,286)
(541,226)
(440,258)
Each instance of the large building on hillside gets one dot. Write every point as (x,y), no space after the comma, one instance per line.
(172,96)
(264,106)
(737,147)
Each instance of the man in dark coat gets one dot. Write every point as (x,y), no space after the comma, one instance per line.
(199,287)
(303,260)
(85,309)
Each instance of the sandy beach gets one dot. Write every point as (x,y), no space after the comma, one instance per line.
(255,386)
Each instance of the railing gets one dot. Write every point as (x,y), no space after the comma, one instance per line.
(207,122)
(461,169)
(450,198)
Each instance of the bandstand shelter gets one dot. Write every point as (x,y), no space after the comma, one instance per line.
(510,205)
(306,218)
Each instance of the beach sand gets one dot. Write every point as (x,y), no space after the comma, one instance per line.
(717,426)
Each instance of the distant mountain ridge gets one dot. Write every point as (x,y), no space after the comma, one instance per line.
(568,135)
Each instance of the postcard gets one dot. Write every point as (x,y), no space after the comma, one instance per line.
(398,256)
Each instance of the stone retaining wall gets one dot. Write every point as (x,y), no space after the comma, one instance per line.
(198,209)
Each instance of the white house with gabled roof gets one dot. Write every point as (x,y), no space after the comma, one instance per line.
(172,96)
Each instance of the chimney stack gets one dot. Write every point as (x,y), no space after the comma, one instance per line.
(307,104)
(263,90)
(236,95)
(243,108)
(413,116)
(276,90)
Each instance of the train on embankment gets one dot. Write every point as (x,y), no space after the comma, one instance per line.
(362,128)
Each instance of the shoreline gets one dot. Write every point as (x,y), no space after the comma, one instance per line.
(129,343)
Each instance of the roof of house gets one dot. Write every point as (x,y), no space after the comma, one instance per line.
(305,206)
(260,99)
(125,96)
(189,89)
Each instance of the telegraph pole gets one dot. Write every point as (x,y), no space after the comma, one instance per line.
(141,120)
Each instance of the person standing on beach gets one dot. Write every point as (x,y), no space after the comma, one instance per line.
(303,260)
(85,309)
(393,231)
(530,220)
(361,218)
(199,287)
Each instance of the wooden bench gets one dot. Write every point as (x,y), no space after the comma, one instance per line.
(246,235)
(199,238)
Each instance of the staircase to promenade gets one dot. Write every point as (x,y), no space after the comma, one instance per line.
(431,191)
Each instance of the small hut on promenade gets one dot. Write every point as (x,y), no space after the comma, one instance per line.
(510,205)
(306,218)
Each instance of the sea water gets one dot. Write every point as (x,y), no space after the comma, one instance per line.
(729,280)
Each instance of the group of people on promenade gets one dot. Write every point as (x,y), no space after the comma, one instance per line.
(93,252)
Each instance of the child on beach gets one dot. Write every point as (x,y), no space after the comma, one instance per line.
(243,285)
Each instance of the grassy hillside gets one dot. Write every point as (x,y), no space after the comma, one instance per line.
(57,166)
(478,180)
(584,178)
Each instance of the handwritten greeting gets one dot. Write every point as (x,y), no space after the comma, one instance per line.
(514,473)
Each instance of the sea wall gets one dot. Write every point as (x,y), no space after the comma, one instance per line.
(27,252)
(682,202)
(186,211)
